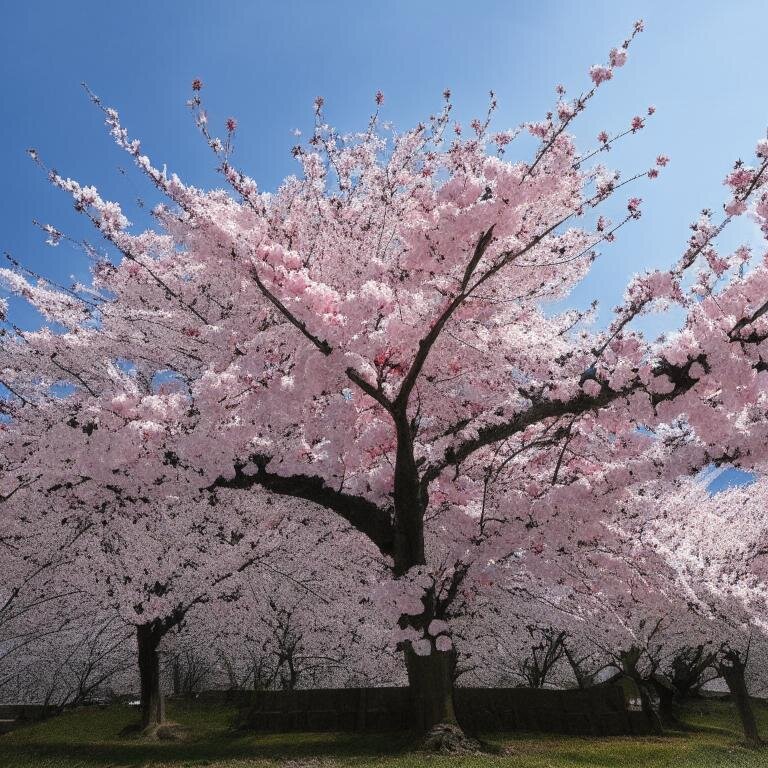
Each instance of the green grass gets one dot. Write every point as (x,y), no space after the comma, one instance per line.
(89,738)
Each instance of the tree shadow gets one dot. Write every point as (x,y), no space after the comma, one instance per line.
(220,746)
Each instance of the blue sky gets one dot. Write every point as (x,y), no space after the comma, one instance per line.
(702,64)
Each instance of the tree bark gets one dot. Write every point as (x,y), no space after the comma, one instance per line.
(430,679)
(734,679)
(650,706)
(410,502)
(176,676)
(152,701)
(666,696)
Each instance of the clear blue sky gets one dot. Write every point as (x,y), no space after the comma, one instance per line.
(703,64)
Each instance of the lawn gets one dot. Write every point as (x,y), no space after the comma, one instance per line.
(89,738)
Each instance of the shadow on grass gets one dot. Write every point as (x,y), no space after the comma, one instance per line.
(223,744)
(90,738)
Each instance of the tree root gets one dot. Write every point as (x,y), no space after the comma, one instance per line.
(447,738)
(166,732)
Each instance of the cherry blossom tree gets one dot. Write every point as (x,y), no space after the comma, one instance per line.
(717,544)
(318,628)
(376,337)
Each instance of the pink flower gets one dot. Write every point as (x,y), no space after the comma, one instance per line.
(197,84)
(602,137)
(633,206)
(379,98)
(600,73)
(447,94)
(601,224)
(740,178)
(319,101)
(653,173)
(618,57)
(662,161)
(591,388)
(560,89)
(565,111)
(639,25)
(443,644)
(637,123)
(651,109)
(437,626)
(231,124)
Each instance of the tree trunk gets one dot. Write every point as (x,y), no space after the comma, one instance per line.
(430,679)
(666,696)
(650,706)
(176,676)
(152,701)
(734,678)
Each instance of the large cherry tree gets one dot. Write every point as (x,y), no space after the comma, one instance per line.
(376,337)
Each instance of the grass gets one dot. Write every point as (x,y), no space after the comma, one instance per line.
(89,738)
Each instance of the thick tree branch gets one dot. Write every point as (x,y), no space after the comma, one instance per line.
(548,409)
(362,514)
(369,389)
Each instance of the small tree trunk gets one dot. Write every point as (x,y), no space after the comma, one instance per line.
(666,696)
(152,701)
(430,679)
(650,705)
(176,676)
(734,678)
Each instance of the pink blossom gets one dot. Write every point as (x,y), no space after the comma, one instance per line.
(618,57)
(437,626)
(443,643)
(591,387)
(565,110)
(740,178)
(662,161)
(600,73)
